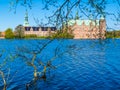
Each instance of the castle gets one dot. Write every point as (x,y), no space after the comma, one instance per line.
(80,29)
(39,31)
(87,29)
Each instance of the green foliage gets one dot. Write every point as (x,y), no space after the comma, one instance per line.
(43,37)
(0,34)
(34,36)
(19,31)
(64,35)
(9,34)
(113,34)
(30,36)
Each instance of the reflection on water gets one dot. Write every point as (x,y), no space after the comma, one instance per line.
(93,65)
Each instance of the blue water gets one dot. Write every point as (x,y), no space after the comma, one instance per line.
(87,65)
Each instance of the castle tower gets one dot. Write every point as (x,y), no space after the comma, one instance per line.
(26,23)
(77,16)
(91,16)
(102,27)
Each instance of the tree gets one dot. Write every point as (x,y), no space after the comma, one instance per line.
(5,77)
(19,31)
(61,34)
(36,57)
(2,75)
(0,34)
(113,34)
(64,10)
(9,34)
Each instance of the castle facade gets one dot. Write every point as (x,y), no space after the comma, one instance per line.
(88,29)
(79,28)
(38,31)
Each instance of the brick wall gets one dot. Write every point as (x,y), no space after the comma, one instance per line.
(89,31)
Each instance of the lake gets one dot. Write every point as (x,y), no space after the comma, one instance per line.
(85,65)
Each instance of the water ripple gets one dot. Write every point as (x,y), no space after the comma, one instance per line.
(89,68)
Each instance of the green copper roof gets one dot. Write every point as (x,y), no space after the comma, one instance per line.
(26,23)
(80,22)
(102,17)
(77,16)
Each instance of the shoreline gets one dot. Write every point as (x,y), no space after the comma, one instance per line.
(2,37)
(54,38)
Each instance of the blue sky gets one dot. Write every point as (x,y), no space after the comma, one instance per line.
(9,19)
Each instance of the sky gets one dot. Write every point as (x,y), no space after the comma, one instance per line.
(9,19)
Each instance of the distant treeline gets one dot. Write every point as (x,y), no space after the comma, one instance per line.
(113,34)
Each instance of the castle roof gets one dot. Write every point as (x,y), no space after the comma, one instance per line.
(26,23)
(86,22)
(102,17)
(42,28)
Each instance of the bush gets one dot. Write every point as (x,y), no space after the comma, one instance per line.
(31,36)
(113,34)
(63,35)
(9,34)
(19,31)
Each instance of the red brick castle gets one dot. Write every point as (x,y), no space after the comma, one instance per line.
(88,29)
